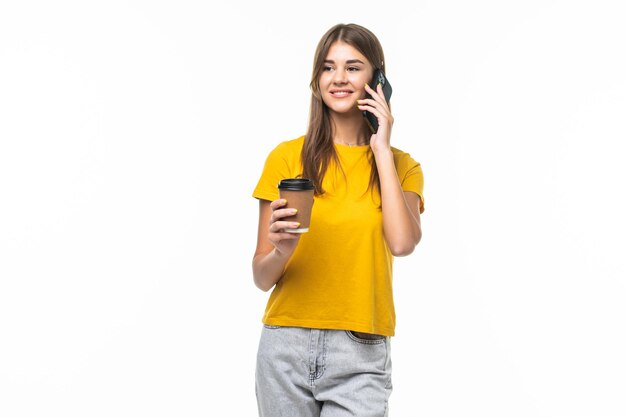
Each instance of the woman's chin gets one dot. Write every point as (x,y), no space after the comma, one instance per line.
(345,111)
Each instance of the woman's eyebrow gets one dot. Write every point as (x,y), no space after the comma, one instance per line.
(350,61)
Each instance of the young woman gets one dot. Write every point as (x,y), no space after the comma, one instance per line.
(324,347)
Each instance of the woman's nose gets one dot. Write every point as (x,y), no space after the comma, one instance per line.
(339,77)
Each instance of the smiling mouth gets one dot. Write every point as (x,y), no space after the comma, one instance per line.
(340,93)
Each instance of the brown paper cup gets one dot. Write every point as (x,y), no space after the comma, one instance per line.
(299,195)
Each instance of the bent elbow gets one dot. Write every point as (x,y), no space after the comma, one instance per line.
(405,248)
(402,250)
(263,286)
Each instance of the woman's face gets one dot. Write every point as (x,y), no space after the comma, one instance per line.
(343,79)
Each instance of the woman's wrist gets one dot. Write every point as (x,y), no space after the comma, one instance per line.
(383,156)
(278,255)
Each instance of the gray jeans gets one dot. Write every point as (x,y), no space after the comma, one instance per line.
(304,372)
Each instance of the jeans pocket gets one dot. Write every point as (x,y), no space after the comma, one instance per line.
(366,338)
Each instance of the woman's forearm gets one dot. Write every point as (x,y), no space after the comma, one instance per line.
(268,268)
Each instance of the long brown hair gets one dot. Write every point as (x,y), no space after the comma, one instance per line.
(319,150)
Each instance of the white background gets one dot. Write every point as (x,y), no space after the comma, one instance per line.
(133,132)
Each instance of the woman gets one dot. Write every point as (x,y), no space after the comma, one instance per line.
(324,348)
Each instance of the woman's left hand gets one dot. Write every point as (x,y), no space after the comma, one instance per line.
(378,106)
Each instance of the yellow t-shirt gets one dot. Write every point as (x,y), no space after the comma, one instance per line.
(340,275)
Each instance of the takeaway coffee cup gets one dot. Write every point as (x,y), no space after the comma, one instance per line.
(299,195)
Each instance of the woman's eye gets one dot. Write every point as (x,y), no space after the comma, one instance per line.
(328,68)
(353,69)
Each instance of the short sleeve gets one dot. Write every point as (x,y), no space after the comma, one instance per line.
(276,168)
(410,175)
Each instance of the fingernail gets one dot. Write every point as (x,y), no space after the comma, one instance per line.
(297,224)
(294,211)
(367,85)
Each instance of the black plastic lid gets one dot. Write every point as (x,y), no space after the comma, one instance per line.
(296,184)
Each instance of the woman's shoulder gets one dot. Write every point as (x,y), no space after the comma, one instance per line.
(405,163)
(400,155)
(289,146)
(286,152)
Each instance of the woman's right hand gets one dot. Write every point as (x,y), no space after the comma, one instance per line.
(284,242)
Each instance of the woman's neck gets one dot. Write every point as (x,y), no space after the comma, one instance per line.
(349,130)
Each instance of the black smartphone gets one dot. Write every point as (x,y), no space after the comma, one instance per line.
(378,78)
